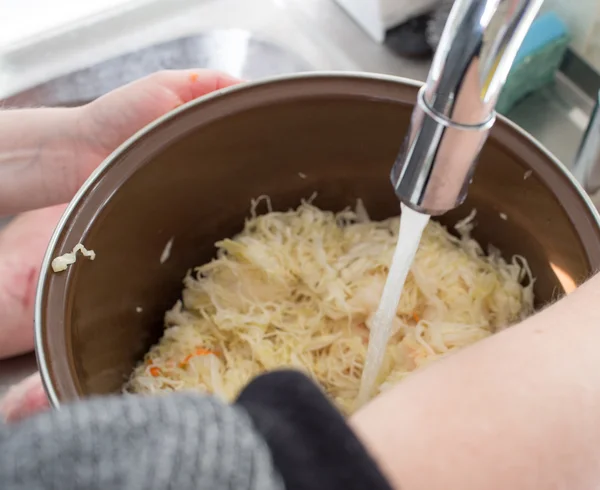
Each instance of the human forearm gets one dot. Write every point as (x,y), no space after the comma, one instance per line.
(518,410)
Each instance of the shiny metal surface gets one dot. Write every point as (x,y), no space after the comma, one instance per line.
(587,163)
(456,107)
(234,51)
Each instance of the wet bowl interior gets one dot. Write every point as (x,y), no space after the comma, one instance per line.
(191,177)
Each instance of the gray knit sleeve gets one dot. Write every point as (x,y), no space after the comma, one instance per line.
(166,442)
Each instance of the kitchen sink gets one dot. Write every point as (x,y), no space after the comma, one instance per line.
(234,51)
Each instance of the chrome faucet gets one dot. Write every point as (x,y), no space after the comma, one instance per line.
(455,107)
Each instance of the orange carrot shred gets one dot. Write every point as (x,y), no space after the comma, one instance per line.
(194,77)
(200,351)
(416,317)
(154,371)
(186,359)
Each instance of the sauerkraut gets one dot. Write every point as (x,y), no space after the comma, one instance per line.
(62,262)
(299,288)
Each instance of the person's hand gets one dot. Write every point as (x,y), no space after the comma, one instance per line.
(57,149)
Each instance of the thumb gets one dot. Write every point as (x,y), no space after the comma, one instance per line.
(116,116)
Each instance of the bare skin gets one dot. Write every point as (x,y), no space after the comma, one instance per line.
(518,410)
(46,154)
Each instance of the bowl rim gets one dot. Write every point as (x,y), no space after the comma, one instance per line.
(45,269)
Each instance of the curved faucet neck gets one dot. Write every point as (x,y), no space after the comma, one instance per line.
(455,108)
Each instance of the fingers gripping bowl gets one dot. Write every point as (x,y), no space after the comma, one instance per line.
(186,182)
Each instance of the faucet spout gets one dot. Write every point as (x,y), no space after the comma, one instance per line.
(455,107)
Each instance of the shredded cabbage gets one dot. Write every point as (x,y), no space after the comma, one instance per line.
(299,288)
(61,262)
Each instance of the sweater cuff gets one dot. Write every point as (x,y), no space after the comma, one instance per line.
(312,446)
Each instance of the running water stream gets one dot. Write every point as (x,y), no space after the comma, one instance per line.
(412,225)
